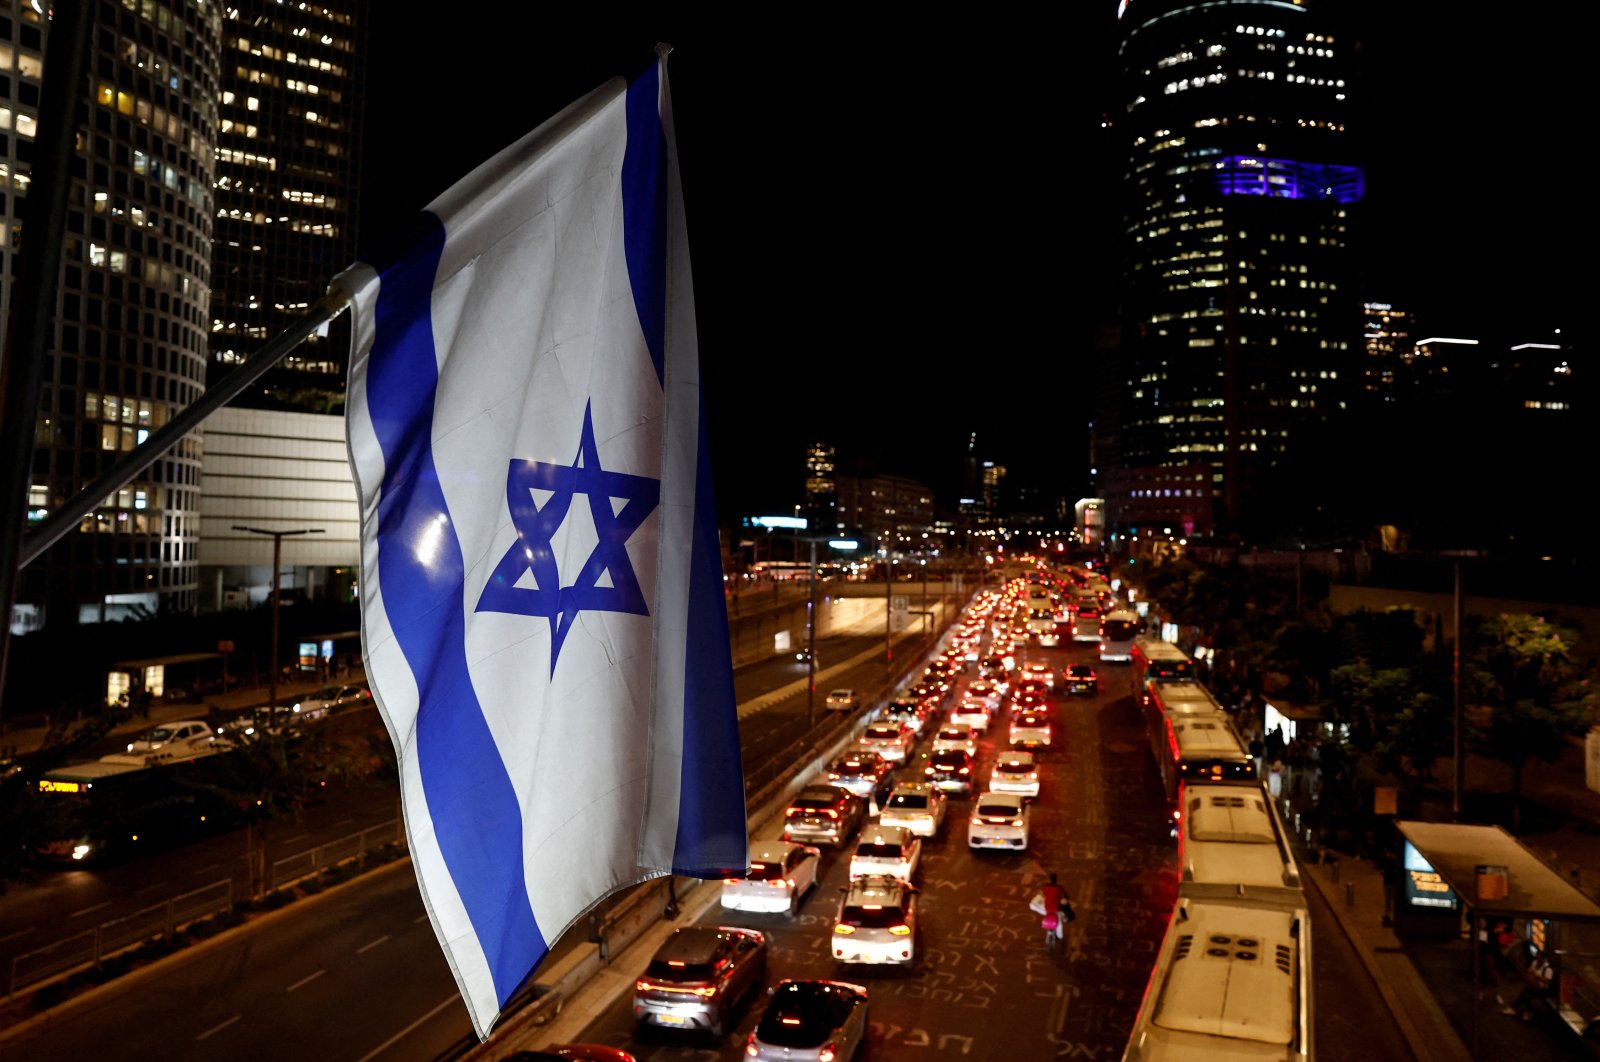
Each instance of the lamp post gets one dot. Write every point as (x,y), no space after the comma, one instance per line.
(277,556)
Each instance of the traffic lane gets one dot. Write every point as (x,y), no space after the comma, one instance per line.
(65,901)
(984,981)
(337,980)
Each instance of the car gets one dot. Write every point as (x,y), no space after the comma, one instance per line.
(330,699)
(842,700)
(950,771)
(994,669)
(572,1053)
(955,736)
(823,814)
(1029,730)
(973,711)
(938,675)
(780,876)
(986,692)
(699,976)
(889,738)
(1050,638)
(1080,678)
(930,694)
(1016,773)
(999,820)
(908,710)
(881,849)
(1030,684)
(859,771)
(917,806)
(186,737)
(1041,672)
(1032,703)
(877,922)
(810,1021)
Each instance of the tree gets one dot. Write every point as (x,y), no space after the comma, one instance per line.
(1399,716)
(1524,671)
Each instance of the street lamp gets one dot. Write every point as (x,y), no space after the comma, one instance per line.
(277,555)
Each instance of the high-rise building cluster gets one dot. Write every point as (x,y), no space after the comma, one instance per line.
(212,196)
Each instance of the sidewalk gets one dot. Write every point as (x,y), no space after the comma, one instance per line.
(1427,984)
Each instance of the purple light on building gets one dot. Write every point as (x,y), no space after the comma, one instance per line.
(1289,179)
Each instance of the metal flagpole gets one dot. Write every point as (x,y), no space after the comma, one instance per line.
(64,519)
(33,292)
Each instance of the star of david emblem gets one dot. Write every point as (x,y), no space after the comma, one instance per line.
(527,580)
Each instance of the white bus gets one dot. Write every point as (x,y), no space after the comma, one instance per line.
(1118,629)
(1232,843)
(1179,697)
(1160,660)
(1190,749)
(1232,980)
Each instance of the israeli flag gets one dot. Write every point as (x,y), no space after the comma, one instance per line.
(541,585)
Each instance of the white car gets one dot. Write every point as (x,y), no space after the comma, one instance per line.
(1030,729)
(842,700)
(1050,638)
(892,850)
(999,820)
(1015,773)
(917,806)
(810,1021)
(956,736)
(330,699)
(781,874)
(184,738)
(985,692)
(972,711)
(889,738)
(877,922)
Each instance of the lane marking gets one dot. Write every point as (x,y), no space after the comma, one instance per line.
(407,1031)
(305,981)
(14,936)
(296,837)
(86,910)
(151,888)
(368,947)
(218,1028)
(1058,1011)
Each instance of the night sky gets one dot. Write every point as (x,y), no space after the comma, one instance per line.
(901,232)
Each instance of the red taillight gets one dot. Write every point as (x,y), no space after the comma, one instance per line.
(750,1047)
(829,1052)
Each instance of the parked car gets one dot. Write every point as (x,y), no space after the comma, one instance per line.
(810,1021)
(330,699)
(823,814)
(172,740)
(780,876)
(699,976)
(842,700)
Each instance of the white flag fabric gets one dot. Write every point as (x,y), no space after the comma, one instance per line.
(541,587)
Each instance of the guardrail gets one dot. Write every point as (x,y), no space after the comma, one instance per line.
(285,872)
(35,968)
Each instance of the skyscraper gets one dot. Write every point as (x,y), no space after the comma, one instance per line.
(129,348)
(822,493)
(1240,316)
(288,174)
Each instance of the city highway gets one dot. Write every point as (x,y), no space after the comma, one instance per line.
(360,976)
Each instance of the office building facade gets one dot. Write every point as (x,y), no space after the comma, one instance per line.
(1240,316)
(129,346)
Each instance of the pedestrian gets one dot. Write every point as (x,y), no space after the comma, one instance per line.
(1257,749)
(1536,982)
(1275,777)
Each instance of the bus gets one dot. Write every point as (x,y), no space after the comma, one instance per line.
(1118,629)
(1192,749)
(1086,612)
(1177,697)
(1153,658)
(1231,842)
(1232,980)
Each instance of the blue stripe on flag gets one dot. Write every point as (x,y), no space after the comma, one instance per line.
(471,802)
(644,211)
(712,832)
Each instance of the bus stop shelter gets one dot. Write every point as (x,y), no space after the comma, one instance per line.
(1449,866)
